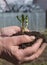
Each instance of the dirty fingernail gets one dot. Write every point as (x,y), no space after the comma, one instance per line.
(32,37)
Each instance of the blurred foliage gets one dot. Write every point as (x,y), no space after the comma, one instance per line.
(42,60)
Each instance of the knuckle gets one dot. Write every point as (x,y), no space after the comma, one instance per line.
(36,56)
(25,36)
(20,58)
(34,51)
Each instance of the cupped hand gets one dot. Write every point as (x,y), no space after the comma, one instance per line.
(34,51)
(11,46)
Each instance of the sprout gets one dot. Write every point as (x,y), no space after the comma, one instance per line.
(26,22)
(22,21)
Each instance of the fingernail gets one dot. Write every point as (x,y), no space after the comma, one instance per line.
(32,37)
(41,39)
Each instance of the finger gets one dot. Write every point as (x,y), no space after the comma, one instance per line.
(17,53)
(10,30)
(22,39)
(37,54)
(33,48)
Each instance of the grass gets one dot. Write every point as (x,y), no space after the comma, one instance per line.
(42,60)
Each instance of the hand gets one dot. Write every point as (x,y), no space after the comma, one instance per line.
(35,50)
(8,31)
(10,45)
(29,53)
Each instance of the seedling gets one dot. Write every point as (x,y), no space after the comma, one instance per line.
(23,21)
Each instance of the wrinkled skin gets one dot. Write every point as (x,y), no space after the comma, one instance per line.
(9,46)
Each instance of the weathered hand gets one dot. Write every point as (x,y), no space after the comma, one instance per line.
(10,45)
(34,51)
(23,55)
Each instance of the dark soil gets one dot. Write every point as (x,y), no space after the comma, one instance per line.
(33,33)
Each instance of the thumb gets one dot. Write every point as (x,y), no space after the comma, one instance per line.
(8,31)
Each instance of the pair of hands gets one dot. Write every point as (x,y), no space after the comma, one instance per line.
(9,46)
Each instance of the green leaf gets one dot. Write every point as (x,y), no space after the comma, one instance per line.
(18,19)
(22,18)
(26,21)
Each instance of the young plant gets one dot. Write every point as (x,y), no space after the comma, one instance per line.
(23,21)
(38,35)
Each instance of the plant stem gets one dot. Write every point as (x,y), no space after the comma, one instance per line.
(22,23)
(18,19)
